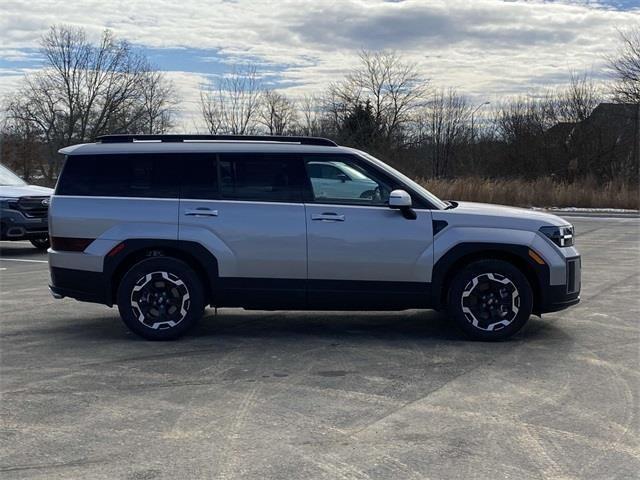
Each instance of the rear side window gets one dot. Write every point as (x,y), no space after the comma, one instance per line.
(199,177)
(260,177)
(142,175)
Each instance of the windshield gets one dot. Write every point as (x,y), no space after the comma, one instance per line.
(439,204)
(9,179)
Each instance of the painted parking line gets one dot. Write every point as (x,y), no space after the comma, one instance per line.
(23,260)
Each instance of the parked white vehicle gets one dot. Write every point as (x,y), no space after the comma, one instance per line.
(23,210)
(163,226)
(338,180)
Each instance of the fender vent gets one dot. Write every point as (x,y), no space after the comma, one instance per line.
(438,226)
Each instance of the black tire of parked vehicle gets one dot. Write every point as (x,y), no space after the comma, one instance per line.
(483,291)
(40,243)
(160,298)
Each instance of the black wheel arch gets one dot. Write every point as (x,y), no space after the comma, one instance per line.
(465,253)
(201,260)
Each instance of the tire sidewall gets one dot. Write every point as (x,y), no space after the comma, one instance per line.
(501,267)
(170,265)
(41,244)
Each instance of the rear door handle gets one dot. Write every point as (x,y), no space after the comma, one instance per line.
(200,212)
(327,217)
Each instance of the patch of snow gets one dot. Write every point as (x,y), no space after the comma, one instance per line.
(587,210)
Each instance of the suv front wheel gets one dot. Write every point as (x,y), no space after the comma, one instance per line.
(490,299)
(160,298)
(40,243)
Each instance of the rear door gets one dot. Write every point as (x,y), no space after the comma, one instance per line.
(246,208)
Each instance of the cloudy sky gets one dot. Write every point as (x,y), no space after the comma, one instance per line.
(484,48)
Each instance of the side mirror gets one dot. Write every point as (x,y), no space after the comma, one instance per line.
(399,199)
(342,177)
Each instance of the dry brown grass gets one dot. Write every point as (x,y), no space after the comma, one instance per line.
(543,192)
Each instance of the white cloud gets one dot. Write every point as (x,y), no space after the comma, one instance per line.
(485,48)
(187,87)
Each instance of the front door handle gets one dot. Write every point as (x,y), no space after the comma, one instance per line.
(327,217)
(201,212)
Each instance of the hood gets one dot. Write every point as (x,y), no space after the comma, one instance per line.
(490,215)
(25,191)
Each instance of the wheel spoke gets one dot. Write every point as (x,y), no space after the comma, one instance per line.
(490,301)
(160,300)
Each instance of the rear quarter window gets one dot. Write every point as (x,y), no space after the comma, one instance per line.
(148,175)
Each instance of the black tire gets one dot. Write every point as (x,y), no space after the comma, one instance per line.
(167,302)
(40,243)
(490,300)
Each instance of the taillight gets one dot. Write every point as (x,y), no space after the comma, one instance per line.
(65,244)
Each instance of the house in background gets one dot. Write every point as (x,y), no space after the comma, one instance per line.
(605,143)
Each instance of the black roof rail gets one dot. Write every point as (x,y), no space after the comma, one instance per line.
(126,138)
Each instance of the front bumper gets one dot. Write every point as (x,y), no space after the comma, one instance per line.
(15,226)
(559,297)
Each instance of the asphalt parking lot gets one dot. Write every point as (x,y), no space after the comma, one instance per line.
(274,395)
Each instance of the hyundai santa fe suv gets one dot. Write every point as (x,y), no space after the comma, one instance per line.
(164,226)
(23,210)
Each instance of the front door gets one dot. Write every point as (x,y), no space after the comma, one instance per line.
(361,253)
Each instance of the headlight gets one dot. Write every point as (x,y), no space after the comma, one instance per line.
(561,236)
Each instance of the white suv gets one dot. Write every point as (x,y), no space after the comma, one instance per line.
(164,226)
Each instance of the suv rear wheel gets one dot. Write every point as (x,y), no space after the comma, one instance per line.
(160,298)
(490,299)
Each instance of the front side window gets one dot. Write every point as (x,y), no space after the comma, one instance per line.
(433,200)
(341,180)
(259,177)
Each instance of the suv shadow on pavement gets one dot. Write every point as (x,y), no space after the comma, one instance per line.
(357,329)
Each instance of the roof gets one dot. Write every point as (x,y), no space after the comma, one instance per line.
(198,147)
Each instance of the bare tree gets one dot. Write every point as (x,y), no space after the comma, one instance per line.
(86,90)
(278,113)
(526,117)
(442,124)
(311,112)
(231,104)
(626,67)
(158,103)
(393,87)
(578,100)
(22,150)
(211,108)
(338,102)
